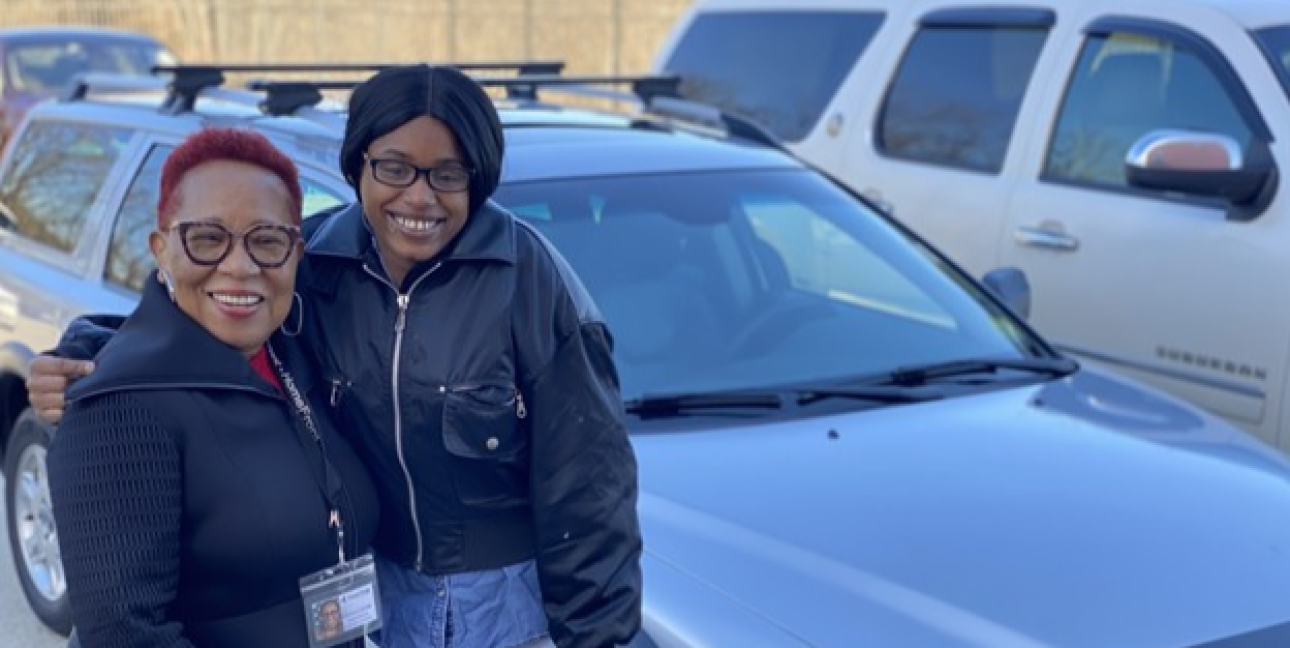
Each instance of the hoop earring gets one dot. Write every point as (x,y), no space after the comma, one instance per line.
(297,306)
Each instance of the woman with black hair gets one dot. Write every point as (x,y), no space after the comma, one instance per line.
(474,376)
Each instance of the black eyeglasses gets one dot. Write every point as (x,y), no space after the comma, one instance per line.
(450,177)
(208,244)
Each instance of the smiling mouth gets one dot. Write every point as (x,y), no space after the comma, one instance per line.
(418,227)
(237,301)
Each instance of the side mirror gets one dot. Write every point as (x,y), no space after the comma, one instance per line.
(1204,164)
(1012,288)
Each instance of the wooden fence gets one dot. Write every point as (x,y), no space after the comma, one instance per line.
(592,36)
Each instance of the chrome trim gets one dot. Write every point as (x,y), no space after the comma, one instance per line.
(1230,386)
(1042,238)
(1139,154)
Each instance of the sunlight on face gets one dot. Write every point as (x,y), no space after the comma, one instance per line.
(237,301)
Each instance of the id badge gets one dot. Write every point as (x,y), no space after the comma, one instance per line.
(342,603)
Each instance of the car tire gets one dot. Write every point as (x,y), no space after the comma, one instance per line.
(32,534)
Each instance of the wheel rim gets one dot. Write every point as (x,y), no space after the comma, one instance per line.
(34,520)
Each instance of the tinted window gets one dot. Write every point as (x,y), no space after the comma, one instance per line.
(54,177)
(128,260)
(778,67)
(955,97)
(1276,44)
(716,281)
(1124,86)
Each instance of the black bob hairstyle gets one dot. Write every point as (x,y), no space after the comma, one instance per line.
(397,95)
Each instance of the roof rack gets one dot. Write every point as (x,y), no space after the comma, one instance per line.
(525,88)
(85,83)
(659,94)
(661,97)
(190,80)
(673,107)
(284,97)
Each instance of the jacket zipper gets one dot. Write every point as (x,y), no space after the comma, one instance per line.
(400,321)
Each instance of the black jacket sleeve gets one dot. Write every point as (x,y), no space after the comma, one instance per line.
(116,483)
(86,335)
(583,489)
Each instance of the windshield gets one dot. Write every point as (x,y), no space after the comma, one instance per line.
(46,66)
(1276,45)
(746,280)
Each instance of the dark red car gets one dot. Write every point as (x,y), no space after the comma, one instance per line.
(36,62)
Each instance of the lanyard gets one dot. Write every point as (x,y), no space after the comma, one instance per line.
(324,473)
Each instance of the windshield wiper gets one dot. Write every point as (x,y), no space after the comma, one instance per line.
(1056,367)
(876,393)
(677,404)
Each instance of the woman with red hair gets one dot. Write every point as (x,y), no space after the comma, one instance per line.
(194,485)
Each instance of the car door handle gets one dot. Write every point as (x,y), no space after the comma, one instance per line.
(1044,237)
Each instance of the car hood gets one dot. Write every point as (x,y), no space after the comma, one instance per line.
(1081,512)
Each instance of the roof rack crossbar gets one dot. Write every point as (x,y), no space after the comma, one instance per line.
(525,87)
(264,85)
(521,67)
(189,80)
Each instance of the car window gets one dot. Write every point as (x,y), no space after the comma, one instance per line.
(711,281)
(54,176)
(1276,44)
(1124,86)
(45,66)
(821,258)
(318,198)
(128,260)
(778,67)
(956,94)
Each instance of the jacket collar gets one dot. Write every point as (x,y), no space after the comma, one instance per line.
(489,235)
(161,347)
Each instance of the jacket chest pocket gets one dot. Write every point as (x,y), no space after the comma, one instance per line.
(487,443)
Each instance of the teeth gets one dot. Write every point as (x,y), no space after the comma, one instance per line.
(238,300)
(415,224)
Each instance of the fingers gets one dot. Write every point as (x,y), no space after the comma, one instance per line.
(47,381)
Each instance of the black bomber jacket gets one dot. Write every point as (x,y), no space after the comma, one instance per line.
(484,398)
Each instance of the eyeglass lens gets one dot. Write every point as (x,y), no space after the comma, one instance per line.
(397,173)
(210,243)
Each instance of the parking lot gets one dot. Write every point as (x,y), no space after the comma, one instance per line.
(18,627)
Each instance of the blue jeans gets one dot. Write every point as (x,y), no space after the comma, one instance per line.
(496,608)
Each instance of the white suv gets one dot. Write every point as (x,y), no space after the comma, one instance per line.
(1125,154)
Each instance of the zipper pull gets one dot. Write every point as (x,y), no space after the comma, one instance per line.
(520,410)
(335,391)
(403,312)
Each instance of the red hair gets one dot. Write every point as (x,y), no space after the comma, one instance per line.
(234,144)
